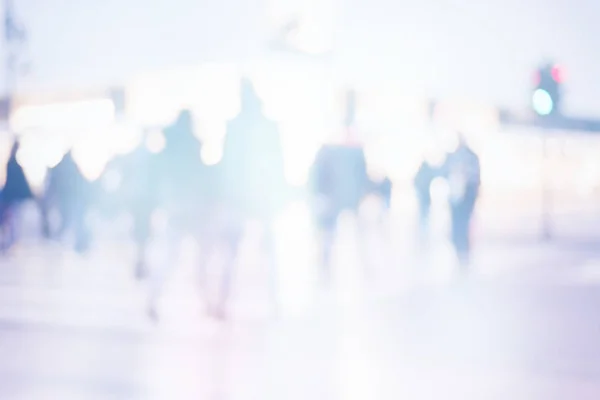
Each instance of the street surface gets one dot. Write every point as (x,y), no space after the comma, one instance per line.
(524,324)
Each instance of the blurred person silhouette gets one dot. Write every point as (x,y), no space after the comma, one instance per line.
(16,191)
(136,194)
(178,185)
(385,191)
(142,201)
(422,184)
(339,182)
(253,186)
(69,191)
(462,169)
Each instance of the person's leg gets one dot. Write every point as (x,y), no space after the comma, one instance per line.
(65,217)
(455,233)
(15,215)
(44,207)
(208,240)
(460,229)
(422,214)
(3,227)
(142,237)
(82,234)
(231,238)
(363,244)
(270,247)
(468,210)
(161,275)
(141,267)
(327,228)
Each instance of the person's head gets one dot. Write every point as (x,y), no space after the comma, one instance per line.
(15,148)
(250,101)
(180,137)
(181,130)
(184,120)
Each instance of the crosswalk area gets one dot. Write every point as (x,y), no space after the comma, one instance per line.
(406,323)
(44,281)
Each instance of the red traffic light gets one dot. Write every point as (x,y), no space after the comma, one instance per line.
(557,74)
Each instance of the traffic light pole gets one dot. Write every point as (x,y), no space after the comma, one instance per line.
(547,194)
(8,61)
(13,36)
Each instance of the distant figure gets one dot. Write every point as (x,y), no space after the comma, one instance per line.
(175,181)
(339,182)
(137,194)
(142,203)
(252,183)
(15,192)
(463,172)
(422,183)
(70,193)
(385,191)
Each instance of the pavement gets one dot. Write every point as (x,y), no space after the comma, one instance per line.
(522,325)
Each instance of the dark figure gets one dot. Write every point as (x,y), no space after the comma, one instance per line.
(15,192)
(142,201)
(252,183)
(70,192)
(422,183)
(339,182)
(136,194)
(385,191)
(463,172)
(178,184)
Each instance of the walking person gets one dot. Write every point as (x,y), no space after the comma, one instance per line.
(253,187)
(15,192)
(175,183)
(463,173)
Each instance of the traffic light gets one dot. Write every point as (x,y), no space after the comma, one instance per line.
(546,96)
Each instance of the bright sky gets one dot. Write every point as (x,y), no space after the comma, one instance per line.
(483,50)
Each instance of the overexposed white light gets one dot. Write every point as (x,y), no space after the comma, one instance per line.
(542,102)
(155,142)
(302,100)
(48,146)
(39,151)
(91,154)
(311,40)
(155,98)
(210,129)
(72,115)
(34,168)
(212,152)
(356,377)
(294,92)
(218,92)
(124,139)
(466,116)
(299,151)
(375,157)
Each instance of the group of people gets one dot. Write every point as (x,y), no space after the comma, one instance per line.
(214,202)
(462,172)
